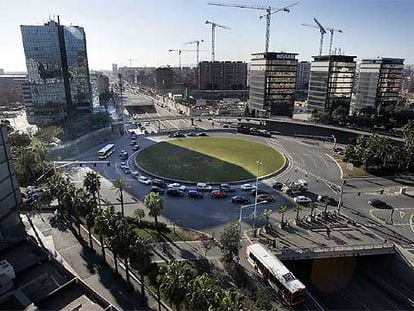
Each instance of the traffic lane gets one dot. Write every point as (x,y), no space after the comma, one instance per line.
(374,183)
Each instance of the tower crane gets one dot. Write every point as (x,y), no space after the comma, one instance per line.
(332,30)
(213,36)
(179,51)
(198,48)
(268,9)
(321,30)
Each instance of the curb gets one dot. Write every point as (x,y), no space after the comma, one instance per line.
(337,164)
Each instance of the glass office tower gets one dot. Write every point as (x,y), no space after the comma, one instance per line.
(58,72)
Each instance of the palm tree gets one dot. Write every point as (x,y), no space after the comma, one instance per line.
(174,279)
(112,236)
(102,223)
(297,209)
(154,202)
(92,184)
(120,186)
(266,214)
(231,302)
(79,199)
(204,293)
(282,211)
(139,214)
(58,185)
(125,237)
(141,255)
(312,207)
(87,210)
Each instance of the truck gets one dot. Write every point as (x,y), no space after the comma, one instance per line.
(291,187)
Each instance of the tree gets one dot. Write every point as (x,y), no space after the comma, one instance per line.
(231,302)
(282,211)
(140,257)
(154,202)
(408,130)
(139,213)
(266,214)
(229,243)
(207,243)
(102,223)
(112,236)
(125,237)
(120,186)
(263,298)
(88,211)
(48,134)
(58,187)
(312,207)
(92,184)
(246,112)
(297,209)
(204,293)
(174,279)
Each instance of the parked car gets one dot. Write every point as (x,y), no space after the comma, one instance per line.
(202,186)
(175,192)
(157,189)
(264,133)
(259,191)
(123,166)
(144,180)
(127,171)
(177,186)
(277,185)
(135,148)
(218,194)
(191,134)
(135,174)
(227,188)
(195,194)
(122,152)
(378,204)
(301,199)
(202,134)
(247,187)
(240,199)
(265,198)
(133,143)
(327,199)
(159,183)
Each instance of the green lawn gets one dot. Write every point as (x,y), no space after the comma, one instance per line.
(356,171)
(167,234)
(210,159)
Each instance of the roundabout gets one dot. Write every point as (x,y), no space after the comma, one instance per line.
(209,159)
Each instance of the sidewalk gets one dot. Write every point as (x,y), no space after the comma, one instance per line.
(76,255)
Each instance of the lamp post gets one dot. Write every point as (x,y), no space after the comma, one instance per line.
(258,163)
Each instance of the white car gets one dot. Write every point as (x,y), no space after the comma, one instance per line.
(202,186)
(247,187)
(301,199)
(176,185)
(144,180)
(135,174)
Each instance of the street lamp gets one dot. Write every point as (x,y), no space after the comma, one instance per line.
(258,163)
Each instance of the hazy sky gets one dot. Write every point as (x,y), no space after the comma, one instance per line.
(144,30)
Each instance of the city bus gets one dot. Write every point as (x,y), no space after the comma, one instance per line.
(275,273)
(106,151)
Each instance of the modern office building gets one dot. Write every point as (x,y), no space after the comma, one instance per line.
(115,68)
(10,197)
(225,75)
(58,73)
(302,76)
(164,78)
(379,83)
(331,82)
(272,83)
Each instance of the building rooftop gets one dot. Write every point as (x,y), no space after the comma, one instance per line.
(345,58)
(384,60)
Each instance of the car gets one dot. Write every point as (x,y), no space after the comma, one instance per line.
(226,188)
(191,134)
(122,152)
(301,199)
(144,180)
(247,187)
(123,166)
(240,199)
(327,199)
(264,198)
(124,157)
(378,204)
(133,136)
(277,185)
(156,189)
(159,183)
(133,143)
(175,192)
(202,134)
(202,186)
(226,126)
(135,148)
(178,135)
(264,133)
(177,186)
(259,191)
(135,174)
(195,194)
(127,171)
(218,194)
(146,132)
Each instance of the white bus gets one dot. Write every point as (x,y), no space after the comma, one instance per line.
(106,151)
(276,274)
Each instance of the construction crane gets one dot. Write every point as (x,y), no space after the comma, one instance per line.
(323,31)
(269,11)
(198,48)
(213,36)
(179,51)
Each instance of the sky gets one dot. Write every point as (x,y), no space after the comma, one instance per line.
(144,30)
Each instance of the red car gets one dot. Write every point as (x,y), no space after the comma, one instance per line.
(218,194)
(265,197)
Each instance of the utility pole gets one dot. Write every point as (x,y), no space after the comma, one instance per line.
(122,103)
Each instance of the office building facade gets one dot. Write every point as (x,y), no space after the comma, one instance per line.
(379,83)
(331,82)
(222,75)
(302,76)
(164,78)
(58,72)
(272,83)
(10,197)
